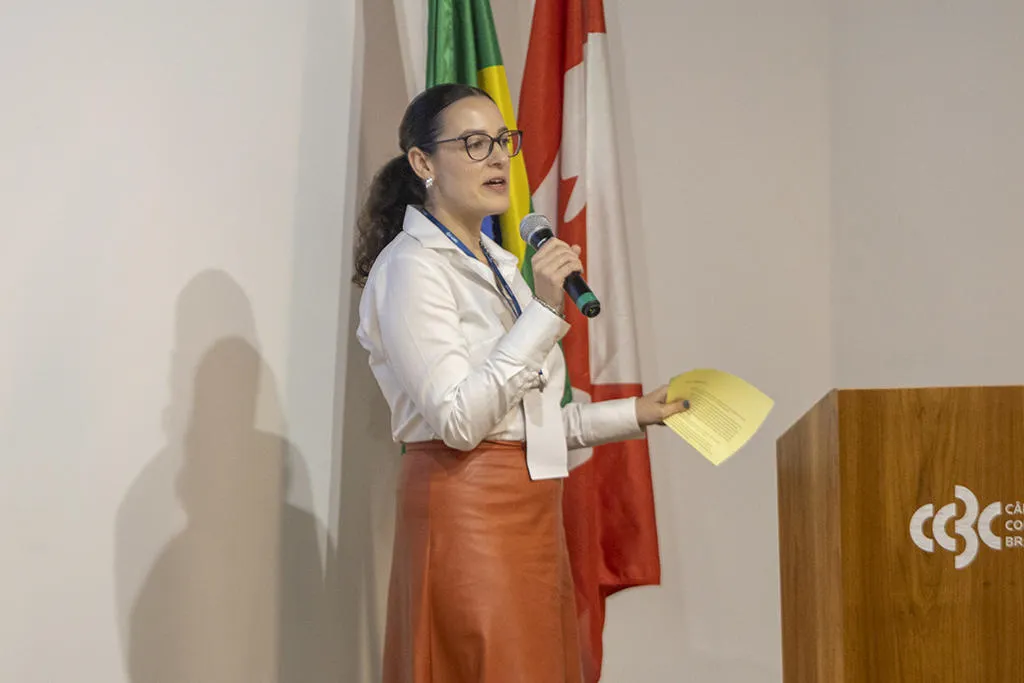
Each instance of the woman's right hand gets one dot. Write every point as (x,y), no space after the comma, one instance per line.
(552,263)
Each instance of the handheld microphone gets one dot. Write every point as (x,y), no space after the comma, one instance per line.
(535,230)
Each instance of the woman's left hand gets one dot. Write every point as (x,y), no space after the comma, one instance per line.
(652,409)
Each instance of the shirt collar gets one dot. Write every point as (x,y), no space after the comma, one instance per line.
(426,233)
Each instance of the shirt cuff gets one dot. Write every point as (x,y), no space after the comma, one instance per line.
(611,420)
(534,334)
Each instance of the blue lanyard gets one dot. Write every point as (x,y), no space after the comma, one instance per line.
(508,294)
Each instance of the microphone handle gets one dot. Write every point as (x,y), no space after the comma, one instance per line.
(581,295)
(575,286)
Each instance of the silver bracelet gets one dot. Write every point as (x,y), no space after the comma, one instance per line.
(548,306)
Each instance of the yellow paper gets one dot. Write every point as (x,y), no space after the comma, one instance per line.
(725,411)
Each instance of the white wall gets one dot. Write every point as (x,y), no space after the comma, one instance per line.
(725,109)
(928,206)
(172,201)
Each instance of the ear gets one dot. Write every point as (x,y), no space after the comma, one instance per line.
(420,162)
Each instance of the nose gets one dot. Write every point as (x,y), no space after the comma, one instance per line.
(499,156)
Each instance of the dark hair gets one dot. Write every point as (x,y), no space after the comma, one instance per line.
(396,185)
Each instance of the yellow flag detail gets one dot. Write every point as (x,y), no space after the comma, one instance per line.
(494,81)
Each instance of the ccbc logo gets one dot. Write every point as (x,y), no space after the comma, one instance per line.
(971,526)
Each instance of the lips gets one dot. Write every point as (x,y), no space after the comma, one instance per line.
(497,183)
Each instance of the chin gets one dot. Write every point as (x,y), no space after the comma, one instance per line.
(494,208)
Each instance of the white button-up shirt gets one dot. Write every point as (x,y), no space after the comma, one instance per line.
(452,360)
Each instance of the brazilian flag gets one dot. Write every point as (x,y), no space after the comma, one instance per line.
(462,47)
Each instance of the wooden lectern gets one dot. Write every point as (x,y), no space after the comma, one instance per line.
(901,537)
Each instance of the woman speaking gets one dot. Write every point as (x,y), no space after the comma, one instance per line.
(468,360)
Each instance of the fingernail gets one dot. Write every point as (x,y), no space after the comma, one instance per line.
(686,405)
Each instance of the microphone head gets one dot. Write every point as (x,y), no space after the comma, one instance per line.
(533,226)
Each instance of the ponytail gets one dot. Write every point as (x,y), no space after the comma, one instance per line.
(395,187)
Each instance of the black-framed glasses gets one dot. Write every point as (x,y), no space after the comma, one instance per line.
(480,145)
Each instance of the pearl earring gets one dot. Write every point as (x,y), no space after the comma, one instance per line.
(429,183)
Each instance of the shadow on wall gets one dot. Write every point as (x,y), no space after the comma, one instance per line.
(370,460)
(236,595)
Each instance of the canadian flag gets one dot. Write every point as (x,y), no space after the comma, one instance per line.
(572,165)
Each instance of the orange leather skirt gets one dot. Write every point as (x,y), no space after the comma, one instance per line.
(481,589)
